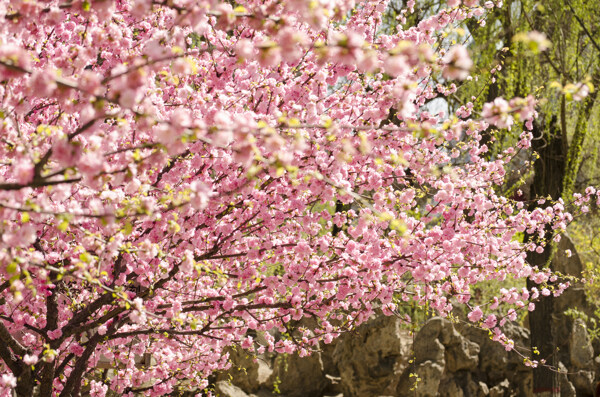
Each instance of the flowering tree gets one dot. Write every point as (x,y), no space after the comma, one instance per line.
(177,176)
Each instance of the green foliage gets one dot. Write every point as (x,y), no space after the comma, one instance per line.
(509,63)
(585,234)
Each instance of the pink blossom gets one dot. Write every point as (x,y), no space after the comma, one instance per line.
(98,389)
(545,291)
(187,264)
(76,349)
(15,56)
(8,380)
(490,321)
(475,314)
(30,359)
(244,49)
(247,343)
(201,195)
(55,334)
(65,152)
(497,113)
(23,171)
(457,63)
(42,83)
(22,237)
(396,65)
(197,174)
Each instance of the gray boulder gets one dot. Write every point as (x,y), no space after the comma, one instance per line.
(502,389)
(295,376)
(422,381)
(371,359)
(226,389)
(580,346)
(566,387)
(247,371)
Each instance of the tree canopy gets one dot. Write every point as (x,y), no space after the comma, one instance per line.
(178,177)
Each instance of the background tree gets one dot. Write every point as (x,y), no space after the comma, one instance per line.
(548,50)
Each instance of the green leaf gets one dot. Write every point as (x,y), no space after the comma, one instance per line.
(128,228)
(11,267)
(63,226)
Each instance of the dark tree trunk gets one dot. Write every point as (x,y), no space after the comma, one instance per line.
(548,182)
(25,383)
(545,377)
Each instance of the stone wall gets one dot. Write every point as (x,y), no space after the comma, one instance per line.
(381,358)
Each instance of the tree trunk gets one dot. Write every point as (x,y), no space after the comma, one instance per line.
(545,376)
(25,383)
(548,181)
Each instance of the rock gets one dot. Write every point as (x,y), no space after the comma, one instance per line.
(447,360)
(327,350)
(581,350)
(571,265)
(429,350)
(265,393)
(468,381)
(438,342)
(439,339)
(427,345)
(495,363)
(247,372)
(523,381)
(566,388)
(371,359)
(470,386)
(583,382)
(226,389)
(484,390)
(334,385)
(263,372)
(462,355)
(295,376)
(596,366)
(422,381)
(450,388)
(500,390)
(429,359)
